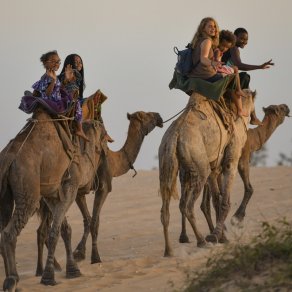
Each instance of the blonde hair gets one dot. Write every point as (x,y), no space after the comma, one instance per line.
(200,33)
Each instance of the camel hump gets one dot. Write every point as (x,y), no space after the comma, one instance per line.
(205,108)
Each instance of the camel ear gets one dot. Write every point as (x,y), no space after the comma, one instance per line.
(254,93)
(128,116)
(265,109)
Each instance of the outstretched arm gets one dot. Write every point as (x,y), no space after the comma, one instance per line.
(235,58)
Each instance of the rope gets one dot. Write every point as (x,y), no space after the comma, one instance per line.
(62,118)
(26,138)
(175,115)
(220,144)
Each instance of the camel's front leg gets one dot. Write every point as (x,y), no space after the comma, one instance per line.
(100,196)
(72,271)
(25,206)
(243,169)
(42,236)
(59,210)
(79,252)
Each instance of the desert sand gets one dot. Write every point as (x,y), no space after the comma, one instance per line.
(131,242)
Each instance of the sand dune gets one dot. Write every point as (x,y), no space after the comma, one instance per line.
(131,240)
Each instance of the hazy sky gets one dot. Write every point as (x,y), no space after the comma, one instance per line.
(127,50)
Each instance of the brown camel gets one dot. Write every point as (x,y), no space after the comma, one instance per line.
(112,164)
(197,144)
(256,138)
(33,166)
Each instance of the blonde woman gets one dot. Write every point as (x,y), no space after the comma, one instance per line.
(205,66)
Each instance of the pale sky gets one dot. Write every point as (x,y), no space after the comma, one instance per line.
(127,50)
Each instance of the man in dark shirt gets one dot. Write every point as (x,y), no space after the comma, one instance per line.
(232,57)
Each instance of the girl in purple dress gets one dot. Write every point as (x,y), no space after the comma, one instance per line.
(49,86)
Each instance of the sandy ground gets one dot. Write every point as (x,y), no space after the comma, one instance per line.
(131,242)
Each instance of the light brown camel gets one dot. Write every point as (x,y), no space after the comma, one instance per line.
(197,144)
(113,164)
(33,166)
(256,138)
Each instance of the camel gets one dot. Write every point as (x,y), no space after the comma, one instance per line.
(196,145)
(256,138)
(33,166)
(113,164)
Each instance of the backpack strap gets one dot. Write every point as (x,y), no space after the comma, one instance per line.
(175,49)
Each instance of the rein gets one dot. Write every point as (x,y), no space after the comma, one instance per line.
(175,115)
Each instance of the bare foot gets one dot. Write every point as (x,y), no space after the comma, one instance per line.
(82,135)
(241,93)
(241,113)
(255,121)
(109,139)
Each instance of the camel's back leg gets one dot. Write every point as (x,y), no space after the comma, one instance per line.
(193,180)
(168,171)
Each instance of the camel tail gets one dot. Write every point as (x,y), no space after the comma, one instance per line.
(168,170)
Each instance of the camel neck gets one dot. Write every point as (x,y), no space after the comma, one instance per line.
(122,160)
(264,132)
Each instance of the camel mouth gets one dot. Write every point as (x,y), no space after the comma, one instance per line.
(159,122)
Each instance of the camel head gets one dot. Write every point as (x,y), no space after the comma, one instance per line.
(147,121)
(280,111)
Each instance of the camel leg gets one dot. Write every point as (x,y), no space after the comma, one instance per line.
(192,182)
(165,222)
(183,238)
(59,210)
(42,236)
(72,270)
(243,169)
(99,199)
(6,210)
(206,206)
(79,252)
(229,173)
(24,208)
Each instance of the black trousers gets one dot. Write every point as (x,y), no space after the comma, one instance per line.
(244,80)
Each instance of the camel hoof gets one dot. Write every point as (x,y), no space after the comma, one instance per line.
(39,272)
(223,239)
(48,281)
(10,284)
(184,238)
(168,253)
(79,255)
(95,258)
(48,277)
(72,272)
(237,221)
(201,243)
(212,238)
